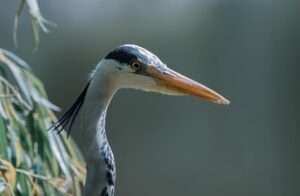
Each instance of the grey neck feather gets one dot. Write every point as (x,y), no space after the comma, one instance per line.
(100,178)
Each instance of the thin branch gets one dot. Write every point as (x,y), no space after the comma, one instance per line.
(16,22)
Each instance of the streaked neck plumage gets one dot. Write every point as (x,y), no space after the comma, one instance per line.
(101,170)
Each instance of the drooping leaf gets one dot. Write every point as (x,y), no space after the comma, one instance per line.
(37,20)
(45,162)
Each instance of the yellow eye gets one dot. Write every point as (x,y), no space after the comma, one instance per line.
(136,65)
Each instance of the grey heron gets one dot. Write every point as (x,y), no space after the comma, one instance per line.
(127,66)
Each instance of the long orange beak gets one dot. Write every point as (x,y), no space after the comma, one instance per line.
(176,82)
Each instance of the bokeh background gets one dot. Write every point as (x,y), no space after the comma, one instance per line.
(246,50)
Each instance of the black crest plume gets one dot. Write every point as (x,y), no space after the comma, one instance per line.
(68,118)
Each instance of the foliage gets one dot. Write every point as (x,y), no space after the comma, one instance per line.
(32,160)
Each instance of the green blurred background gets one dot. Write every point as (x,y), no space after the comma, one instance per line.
(248,51)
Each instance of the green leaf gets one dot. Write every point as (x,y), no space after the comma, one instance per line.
(50,163)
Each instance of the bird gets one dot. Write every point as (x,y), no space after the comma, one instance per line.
(126,66)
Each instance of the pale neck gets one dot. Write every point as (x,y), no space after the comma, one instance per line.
(99,157)
(99,94)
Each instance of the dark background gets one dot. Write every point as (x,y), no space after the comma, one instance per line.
(248,51)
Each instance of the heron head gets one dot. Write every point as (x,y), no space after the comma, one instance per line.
(136,67)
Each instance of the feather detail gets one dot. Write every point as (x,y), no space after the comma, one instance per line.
(68,118)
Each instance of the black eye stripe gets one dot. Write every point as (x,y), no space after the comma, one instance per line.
(125,54)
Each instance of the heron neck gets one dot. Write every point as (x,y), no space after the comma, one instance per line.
(99,157)
(94,112)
